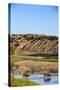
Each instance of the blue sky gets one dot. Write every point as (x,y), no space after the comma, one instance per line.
(36,19)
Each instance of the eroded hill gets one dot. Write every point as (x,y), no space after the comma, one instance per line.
(38,44)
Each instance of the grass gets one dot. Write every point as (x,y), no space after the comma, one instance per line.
(30,56)
(39,58)
(22,82)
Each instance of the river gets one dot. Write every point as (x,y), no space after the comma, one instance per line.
(40,79)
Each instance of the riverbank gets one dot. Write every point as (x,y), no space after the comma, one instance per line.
(39,78)
(22,82)
(35,67)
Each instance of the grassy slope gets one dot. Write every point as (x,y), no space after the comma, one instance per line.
(18,58)
(22,82)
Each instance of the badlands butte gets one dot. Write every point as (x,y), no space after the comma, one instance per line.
(34,52)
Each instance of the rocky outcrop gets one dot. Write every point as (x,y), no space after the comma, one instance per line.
(38,44)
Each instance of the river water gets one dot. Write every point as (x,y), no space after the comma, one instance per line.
(40,79)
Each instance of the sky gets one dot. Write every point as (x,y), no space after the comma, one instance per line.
(33,19)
